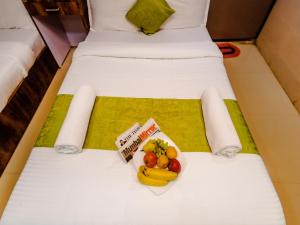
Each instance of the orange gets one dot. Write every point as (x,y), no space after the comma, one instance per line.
(171,152)
(162,161)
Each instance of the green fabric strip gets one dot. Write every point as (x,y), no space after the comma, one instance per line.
(180,119)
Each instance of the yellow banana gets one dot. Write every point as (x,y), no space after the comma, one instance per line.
(160,174)
(141,169)
(150,181)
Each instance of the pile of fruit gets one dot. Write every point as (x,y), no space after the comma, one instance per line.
(161,165)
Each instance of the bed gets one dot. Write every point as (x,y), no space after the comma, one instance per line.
(20,45)
(97,187)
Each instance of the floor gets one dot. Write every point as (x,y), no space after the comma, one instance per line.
(274,123)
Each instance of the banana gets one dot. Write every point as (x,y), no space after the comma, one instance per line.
(150,181)
(141,169)
(160,174)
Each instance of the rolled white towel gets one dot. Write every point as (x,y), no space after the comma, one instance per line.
(73,131)
(220,132)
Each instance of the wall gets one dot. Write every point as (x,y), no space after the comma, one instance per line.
(237,19)
(279,43)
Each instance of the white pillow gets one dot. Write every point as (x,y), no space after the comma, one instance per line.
(189,13)
(13,14)
(110,14)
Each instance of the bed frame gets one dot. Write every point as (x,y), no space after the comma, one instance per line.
(17,114)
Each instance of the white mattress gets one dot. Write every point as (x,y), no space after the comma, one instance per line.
(96,187)
(29,37)
(19,49)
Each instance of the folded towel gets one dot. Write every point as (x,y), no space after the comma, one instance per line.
(220,132)
(73,131)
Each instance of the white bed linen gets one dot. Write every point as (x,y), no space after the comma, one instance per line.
(164,36)
(21,53)
(19,49)
(188,50)
(219,128)
(72,133)
(16,59)
(10,77)
(96,187)
(180,78)
(148,78)
(30,37)
(107,15)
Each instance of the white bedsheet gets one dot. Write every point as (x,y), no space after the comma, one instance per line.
(117,75)
(132,77)
(21,53)
(19,49)
(96,187)
(30,37)
(16,59)
(10,77)
(163,36)
(148,78)
(189,50)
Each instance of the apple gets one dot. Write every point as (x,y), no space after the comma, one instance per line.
(174,165)
(150,159)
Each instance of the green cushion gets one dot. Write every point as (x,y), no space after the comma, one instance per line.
(149,15)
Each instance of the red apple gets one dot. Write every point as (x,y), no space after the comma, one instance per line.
(150,159)
(174,165)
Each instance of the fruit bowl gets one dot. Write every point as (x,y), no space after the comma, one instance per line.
(138,161)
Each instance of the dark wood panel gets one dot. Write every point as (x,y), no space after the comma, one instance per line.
(60,8)
(18,113)
(49,8)
(237,20)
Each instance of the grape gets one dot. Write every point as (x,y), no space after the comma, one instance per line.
(161,146)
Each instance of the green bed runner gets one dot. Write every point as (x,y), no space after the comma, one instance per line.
(180,119)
